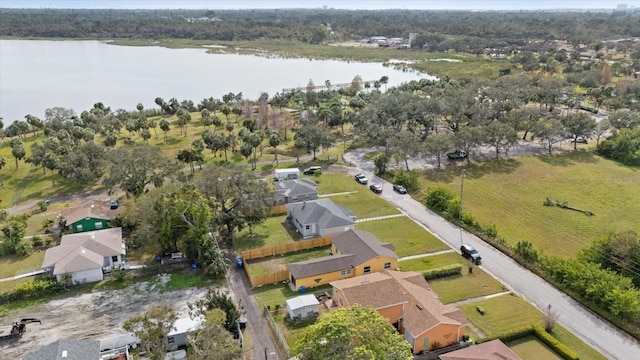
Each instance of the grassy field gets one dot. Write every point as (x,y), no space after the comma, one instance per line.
(530,348)
(270,233)
(509,312)
(510,194)
(365,204)
(10,263)
(455,288)
(412,239)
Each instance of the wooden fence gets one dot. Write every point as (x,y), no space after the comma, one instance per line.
(276,277)
(285,248)
(278,210)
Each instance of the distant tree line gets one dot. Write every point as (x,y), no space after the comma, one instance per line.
(438,29)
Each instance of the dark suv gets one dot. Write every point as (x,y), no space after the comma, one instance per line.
(470,253)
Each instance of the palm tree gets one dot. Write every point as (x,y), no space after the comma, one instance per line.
(164,125)
(274,141)
(3,162)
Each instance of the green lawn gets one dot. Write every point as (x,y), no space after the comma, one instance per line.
(365,204)
(270,233)
(530,348)
(407,237)
(502,314)
(338,183)
(510,194)
(10,265)
(14,284)
(509,312)
(455,288)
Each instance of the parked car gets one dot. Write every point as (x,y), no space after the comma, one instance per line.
(399,189)
(457,155)
(113,204)
(361,179)
(376,188)
(580,140)
(312,170)
(470,253)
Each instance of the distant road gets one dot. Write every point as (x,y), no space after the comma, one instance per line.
(605,338)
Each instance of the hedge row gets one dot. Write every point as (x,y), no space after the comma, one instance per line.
(444,271)
(541,334)
(553,343)
(31,290)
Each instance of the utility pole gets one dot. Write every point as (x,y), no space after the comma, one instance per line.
(462,176)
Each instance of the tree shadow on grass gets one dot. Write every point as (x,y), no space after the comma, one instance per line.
(570,158)
(250,240)
(502,166)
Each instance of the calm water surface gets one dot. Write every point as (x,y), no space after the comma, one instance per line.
(36,75)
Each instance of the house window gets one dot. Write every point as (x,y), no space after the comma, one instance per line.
(387,265)
(78,227)
(307,227)
(170,340)
(98,225)
(114,259)
(367,269)
(345,272)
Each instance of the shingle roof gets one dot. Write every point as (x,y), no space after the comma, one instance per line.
(363,244)
(67,349)
(492,350)
(296,187)
(84,251)
(355,248)
(322,211)
(321,265)
(92,208)
(422,311)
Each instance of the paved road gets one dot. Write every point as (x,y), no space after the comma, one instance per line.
(256,325)
(605,338)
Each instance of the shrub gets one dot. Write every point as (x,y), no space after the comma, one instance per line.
(490,230)
(526,252)
(453,209)
(510,335)
(438,198)
(408,179)
(444,271)
(554,344)
(481,310)
(31,290)
(37,241)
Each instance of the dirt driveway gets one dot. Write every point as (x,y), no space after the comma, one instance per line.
(95,315)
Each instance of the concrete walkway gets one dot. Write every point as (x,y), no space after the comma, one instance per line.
(31,273)
(380,218)
(337,194)
(411,257)
(479,298)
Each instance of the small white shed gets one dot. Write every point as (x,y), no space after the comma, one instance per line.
(287,174)
(303,307)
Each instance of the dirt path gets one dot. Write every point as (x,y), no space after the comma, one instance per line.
(261,339)
(92,194)
(95,315)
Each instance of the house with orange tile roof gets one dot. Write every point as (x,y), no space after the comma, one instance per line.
(409,303)
(492,350)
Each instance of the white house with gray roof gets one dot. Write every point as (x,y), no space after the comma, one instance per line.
(296,190)
(319,218)
(86,256)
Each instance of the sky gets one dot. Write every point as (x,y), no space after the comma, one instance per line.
(339,4)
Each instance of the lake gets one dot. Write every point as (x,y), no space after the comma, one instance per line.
(36,75)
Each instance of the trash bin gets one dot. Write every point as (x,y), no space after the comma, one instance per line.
(303,289)
(239,262)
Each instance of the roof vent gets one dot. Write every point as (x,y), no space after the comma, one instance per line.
(93,236)
(92,206)
(419,306)
(64,353)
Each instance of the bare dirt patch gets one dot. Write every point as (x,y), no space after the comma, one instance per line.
(95,315)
